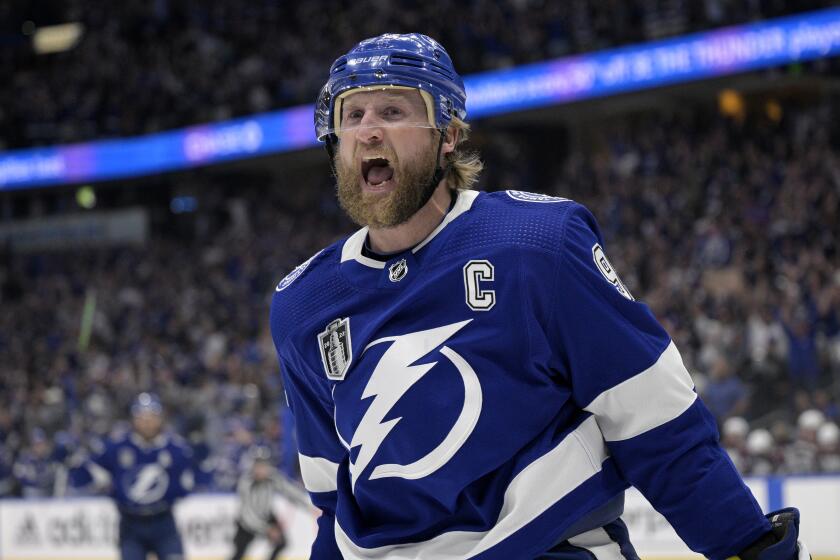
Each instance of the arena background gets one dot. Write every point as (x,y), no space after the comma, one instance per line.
(159,176)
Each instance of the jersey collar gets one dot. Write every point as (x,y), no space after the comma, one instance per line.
(352,248)
(157,442)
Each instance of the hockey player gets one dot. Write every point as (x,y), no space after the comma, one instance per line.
(147,471)
(469,376)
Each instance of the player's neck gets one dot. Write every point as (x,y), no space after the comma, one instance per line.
(143,441)
(417,228)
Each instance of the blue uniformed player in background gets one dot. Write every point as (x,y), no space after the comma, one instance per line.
(146,471)
(469,376)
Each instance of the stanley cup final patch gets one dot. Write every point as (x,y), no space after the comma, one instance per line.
(336,348)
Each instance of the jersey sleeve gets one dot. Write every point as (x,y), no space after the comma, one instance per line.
(92,471)
(319,451)
(182,469)
(624,369)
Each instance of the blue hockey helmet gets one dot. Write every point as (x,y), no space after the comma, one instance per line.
(393,61)
(146,403)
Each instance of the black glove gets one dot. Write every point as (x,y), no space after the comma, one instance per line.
(781,542)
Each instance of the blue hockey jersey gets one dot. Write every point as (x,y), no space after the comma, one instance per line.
(492,391)
(145,477)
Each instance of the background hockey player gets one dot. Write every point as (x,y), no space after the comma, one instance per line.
(146,471)
(468,373)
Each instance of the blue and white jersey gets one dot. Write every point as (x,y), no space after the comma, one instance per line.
(492,391)
(145,477)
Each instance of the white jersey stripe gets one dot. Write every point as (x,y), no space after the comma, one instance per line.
(319,474)
(539,486)
(352,250)
(653,397)
(598,542)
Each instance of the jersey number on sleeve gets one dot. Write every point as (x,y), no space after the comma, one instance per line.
(607,270)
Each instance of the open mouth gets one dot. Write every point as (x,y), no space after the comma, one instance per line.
(377,171)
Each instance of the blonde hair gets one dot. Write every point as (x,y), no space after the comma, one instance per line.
(462,167)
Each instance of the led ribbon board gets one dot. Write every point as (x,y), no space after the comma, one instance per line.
(693,57)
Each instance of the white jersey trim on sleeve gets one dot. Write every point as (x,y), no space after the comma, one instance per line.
(535,489)
(647,400)
(101,477)
(319,474)
(598,542)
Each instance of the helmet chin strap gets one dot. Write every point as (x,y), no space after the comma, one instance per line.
(329,145)
(438,175)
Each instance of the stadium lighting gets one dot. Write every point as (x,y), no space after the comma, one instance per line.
(57,38)
(86,197)
(790,40)
(731,103)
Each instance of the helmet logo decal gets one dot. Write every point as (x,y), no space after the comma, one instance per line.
(368,59)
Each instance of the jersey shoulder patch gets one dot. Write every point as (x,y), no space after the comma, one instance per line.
(524,196)
(605,267)
(296,273)
(307,289)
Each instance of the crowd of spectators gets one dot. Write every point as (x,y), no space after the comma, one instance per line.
(146,66)
(727,228)
(185,319)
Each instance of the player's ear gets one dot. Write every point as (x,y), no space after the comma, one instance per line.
(450,139)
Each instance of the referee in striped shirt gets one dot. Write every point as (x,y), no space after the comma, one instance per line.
(256,513)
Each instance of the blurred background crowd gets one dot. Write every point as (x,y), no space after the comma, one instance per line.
(168,63)
(726,225)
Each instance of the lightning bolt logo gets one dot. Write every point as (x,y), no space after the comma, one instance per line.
(150,484)
(391,379)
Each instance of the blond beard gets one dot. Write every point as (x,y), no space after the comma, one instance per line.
(391,209)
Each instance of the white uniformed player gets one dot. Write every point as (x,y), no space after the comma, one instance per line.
(469,376)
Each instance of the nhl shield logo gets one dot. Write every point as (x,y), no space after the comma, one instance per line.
(398,270)
(336,348)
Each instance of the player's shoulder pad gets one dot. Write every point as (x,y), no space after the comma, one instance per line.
(307,266)
(177,440)
(295,295)
(525,219)
(118,441)
(97,445)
